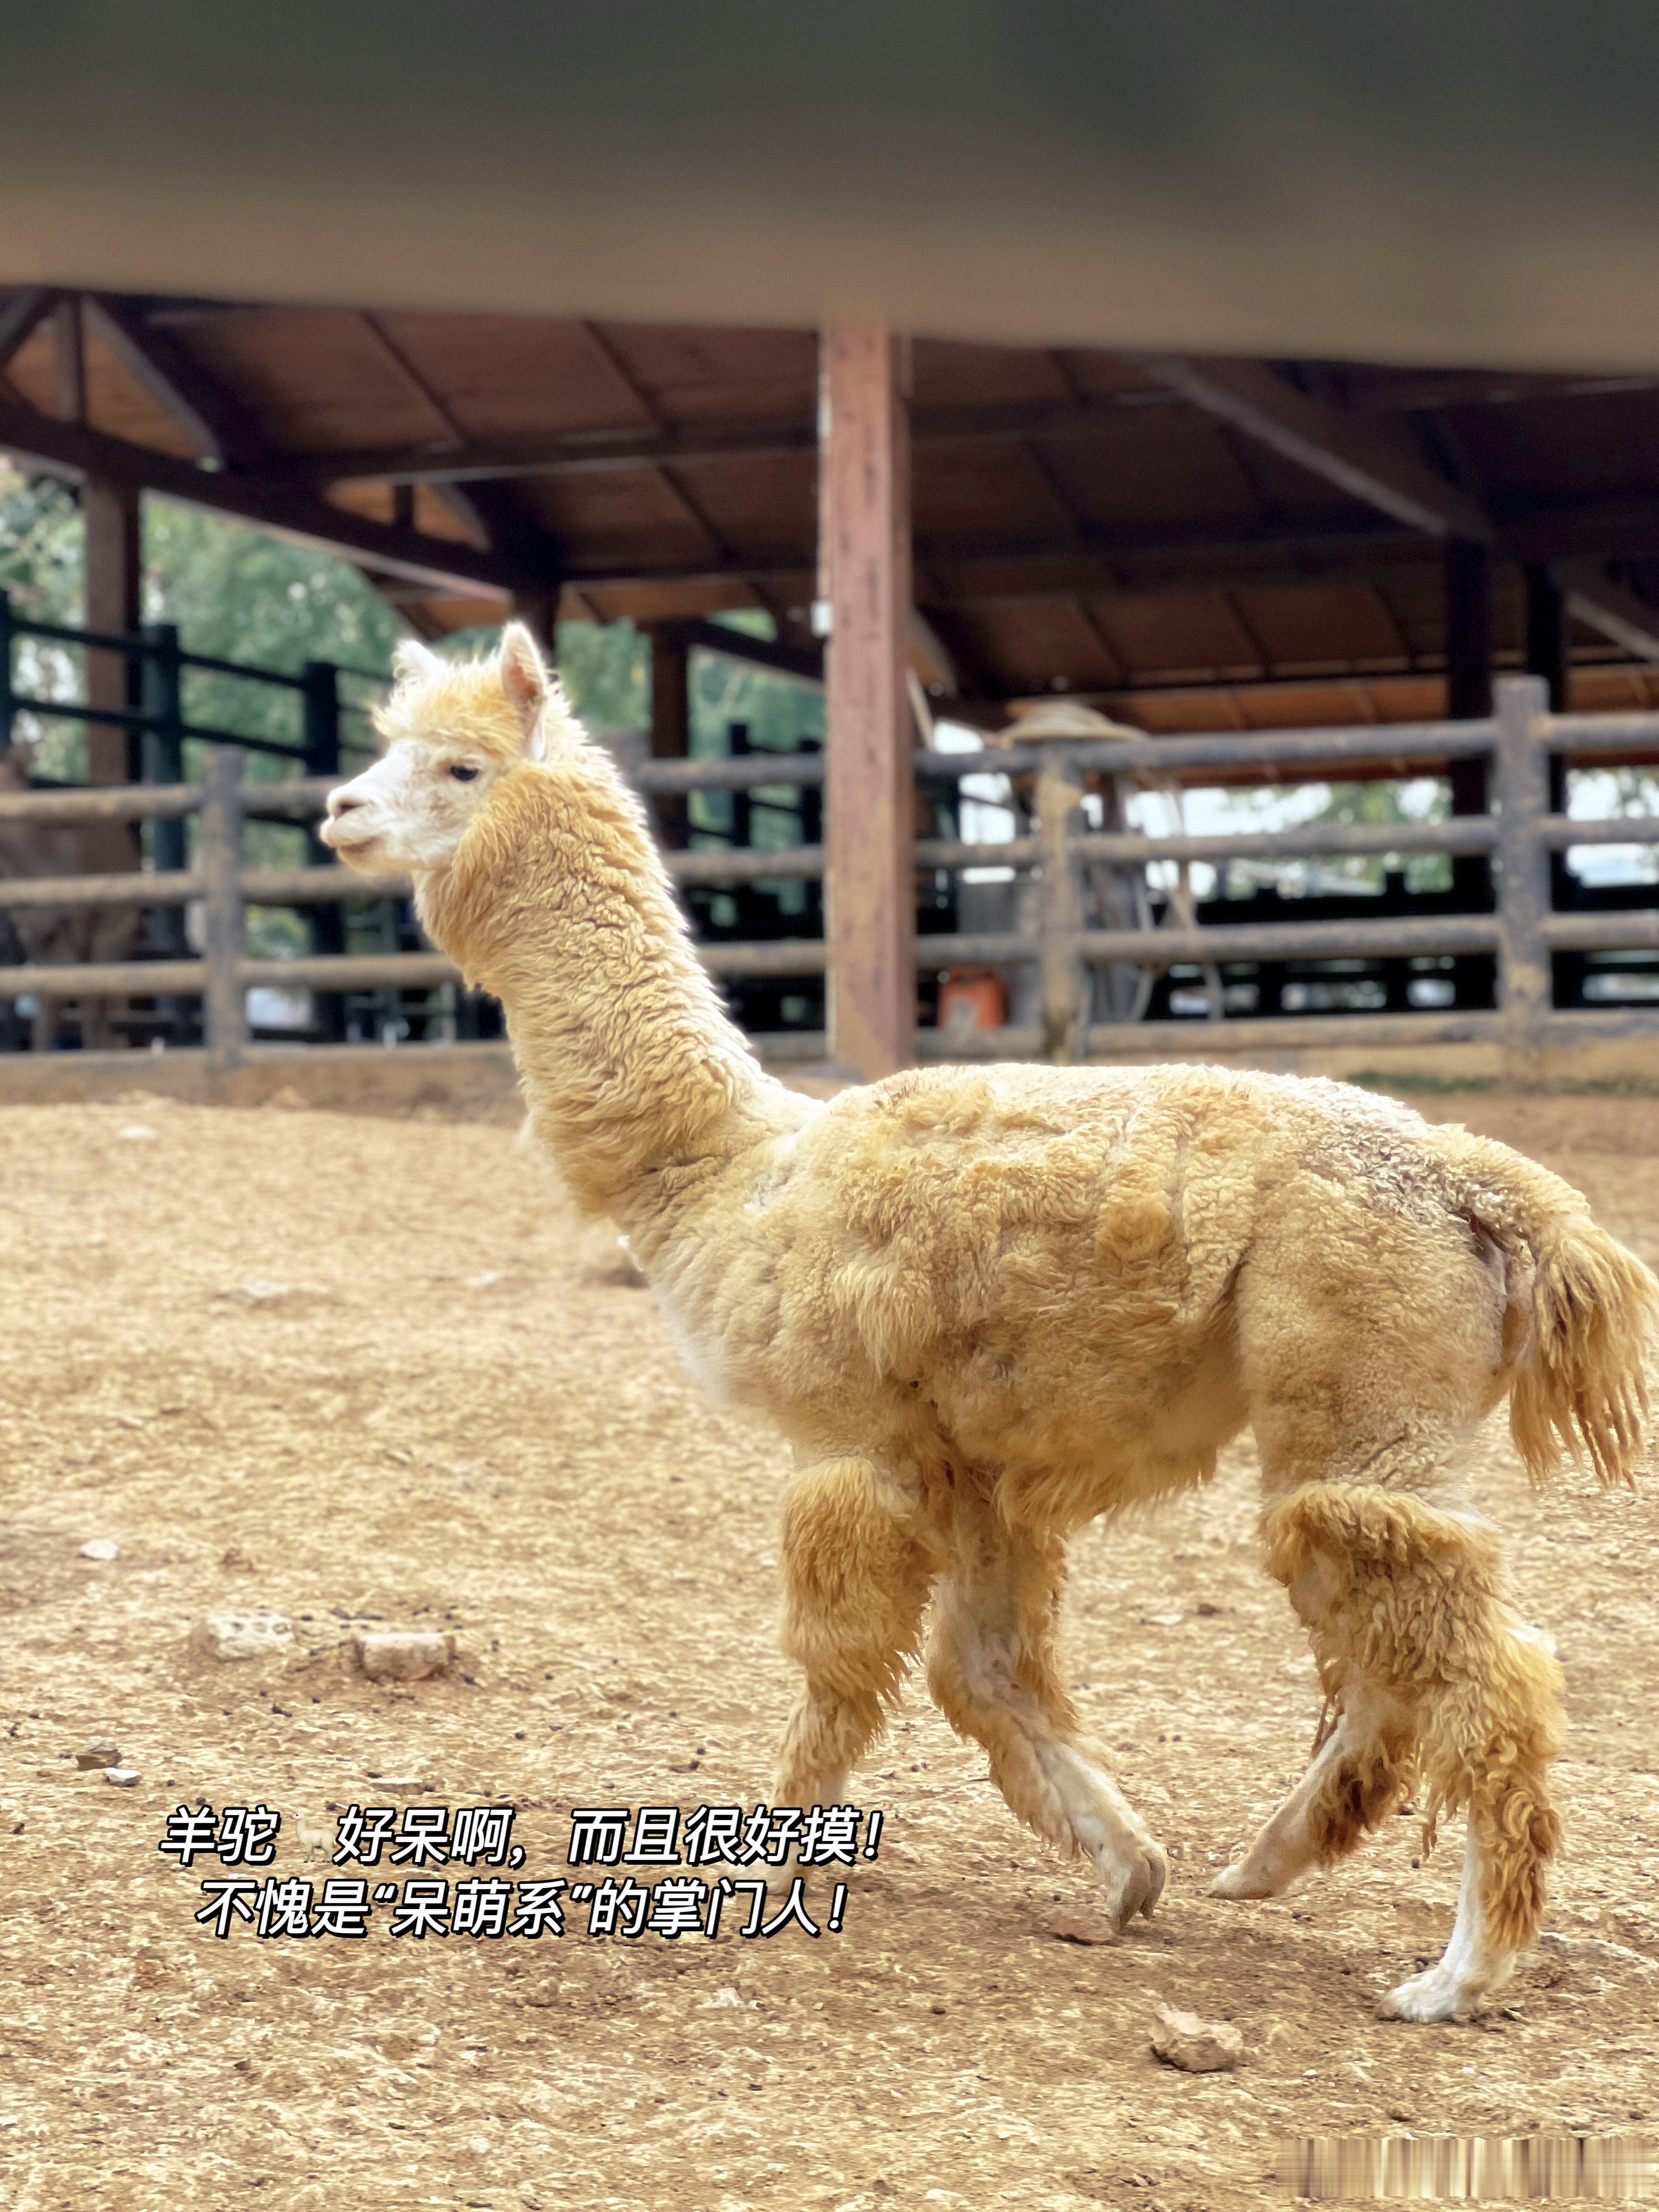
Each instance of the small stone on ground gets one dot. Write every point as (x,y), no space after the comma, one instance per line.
(246,1633)
(1195,2045)
(403,1656)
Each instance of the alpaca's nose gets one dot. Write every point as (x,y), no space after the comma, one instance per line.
(342,802)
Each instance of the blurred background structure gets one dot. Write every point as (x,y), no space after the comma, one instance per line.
(1237,374)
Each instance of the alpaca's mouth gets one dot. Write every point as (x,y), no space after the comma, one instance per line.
(353,850)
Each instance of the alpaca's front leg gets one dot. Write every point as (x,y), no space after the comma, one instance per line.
(857,1566)
(993,1667)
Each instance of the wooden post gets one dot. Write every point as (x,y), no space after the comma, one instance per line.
(671,726)
(538,609)
(320,701)
(1468,699)
(1548,656)
(224,925)
(865,592)
(161,751)
(1525,985)
(110,516)
(1547,652)
(6,693)
(1065,977)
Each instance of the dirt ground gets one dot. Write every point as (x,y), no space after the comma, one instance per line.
(371,1371)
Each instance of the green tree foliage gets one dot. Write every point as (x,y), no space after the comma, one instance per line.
(1422,798)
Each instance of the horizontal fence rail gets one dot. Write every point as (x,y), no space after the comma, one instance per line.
(1519,836)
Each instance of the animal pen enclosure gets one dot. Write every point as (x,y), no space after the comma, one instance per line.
(1305,571)
(1533,946)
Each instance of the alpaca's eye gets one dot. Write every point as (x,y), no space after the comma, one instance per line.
(463,772)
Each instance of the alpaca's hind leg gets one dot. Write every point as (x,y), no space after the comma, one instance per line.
(1371,1342)
(1410,1599)
(993,1667)
(858,1564)
(1359,1774)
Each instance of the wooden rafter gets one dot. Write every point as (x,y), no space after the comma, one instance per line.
(416,381)
(1608,608)
(21,315)
(644,444)
(69,348)
(290,509)
(1328,441)
(215,420)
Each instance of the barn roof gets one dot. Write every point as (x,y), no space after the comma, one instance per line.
(1089,521)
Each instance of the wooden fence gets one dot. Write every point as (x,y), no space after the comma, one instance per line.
(1520,834)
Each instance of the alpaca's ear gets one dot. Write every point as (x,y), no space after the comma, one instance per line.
(411,660)
(523,679)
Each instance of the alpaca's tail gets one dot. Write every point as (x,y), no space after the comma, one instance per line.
(1582,1379)
(1590,1313)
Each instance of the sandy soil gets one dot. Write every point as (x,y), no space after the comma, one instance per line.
(454,1415)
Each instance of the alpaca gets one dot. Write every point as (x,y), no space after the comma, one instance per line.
(987,1306)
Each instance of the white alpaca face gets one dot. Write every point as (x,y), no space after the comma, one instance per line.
(409,810)
(452,730)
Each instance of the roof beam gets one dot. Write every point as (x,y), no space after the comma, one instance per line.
(804,663)
(1594,598)
(641,446)
(1101,554)
(289,510)
(1327,441)
(511,532)
(20,315)
(217,422)
(1098,557)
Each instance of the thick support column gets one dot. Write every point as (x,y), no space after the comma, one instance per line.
(671,726)
(1468,693)
(1546,635)
(113,573)
(538,610)
(865,587)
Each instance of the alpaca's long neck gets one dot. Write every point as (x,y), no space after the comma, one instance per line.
(557,902)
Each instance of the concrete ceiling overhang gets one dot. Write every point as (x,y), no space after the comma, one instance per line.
(1403,181)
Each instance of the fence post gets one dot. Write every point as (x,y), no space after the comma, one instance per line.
(219,862)
(1524,987)
(6,707)
(1064,977)
(320,702)
(161,740)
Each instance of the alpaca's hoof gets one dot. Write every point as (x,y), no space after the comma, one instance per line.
(1133,1883)
(1439,1995)
(1243,1881)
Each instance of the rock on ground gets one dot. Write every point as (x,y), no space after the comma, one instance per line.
(247,1632)
(1197,2046)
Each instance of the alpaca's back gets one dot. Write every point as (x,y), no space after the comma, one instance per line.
(1082,1281)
